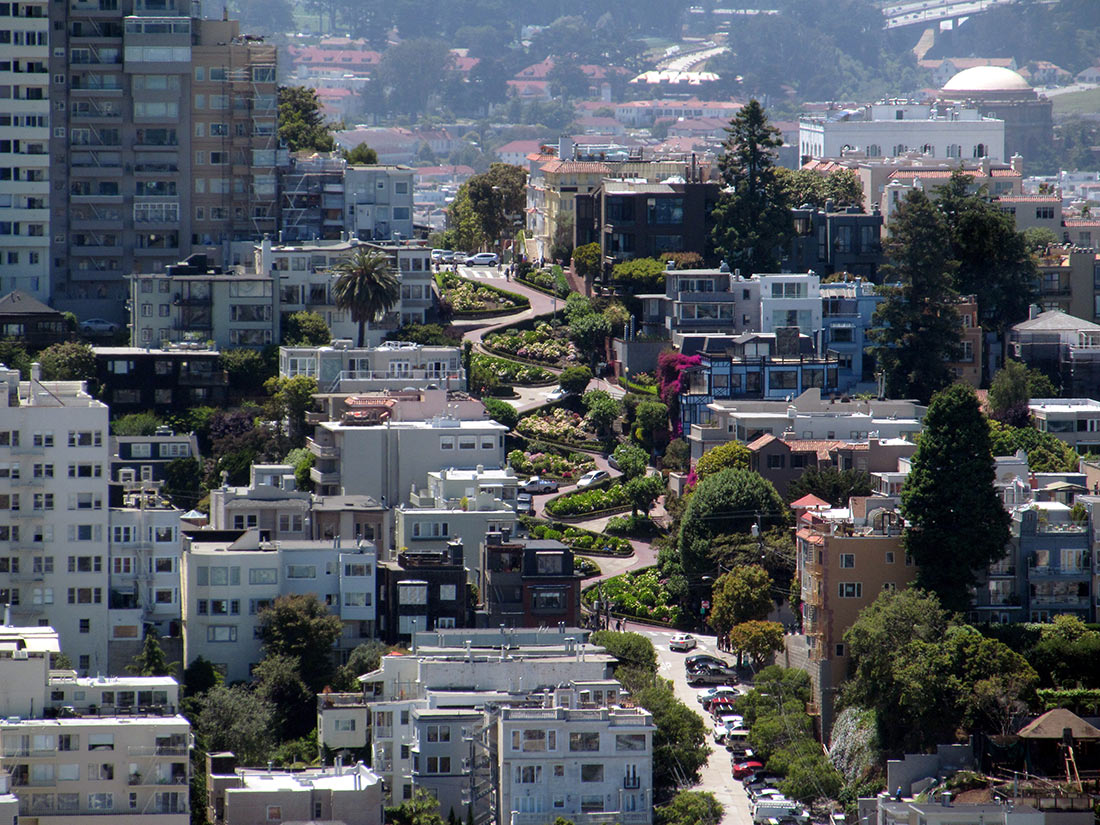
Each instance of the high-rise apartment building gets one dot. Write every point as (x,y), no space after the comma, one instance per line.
(24,137)
(163,142)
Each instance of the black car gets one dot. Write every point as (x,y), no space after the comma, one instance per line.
(696,660)
(712,675)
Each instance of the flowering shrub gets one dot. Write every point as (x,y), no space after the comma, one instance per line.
(581,540)
(543,343)
(545,278)
(557,425)
(465,295)
(588,501)
(547,464)
(512,372)
(639,593)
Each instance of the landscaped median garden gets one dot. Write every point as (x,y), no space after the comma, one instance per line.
(471,299)
(551,280)
(545,461)
(590,502)
(580,540)
(640,594)
(543,344)
(513,372)
(561,426)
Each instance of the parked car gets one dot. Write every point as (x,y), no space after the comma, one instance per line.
(557,394)
(460,257)
(447,257)
(681,641)
(437,255)
(714,693)
(696,659)
(524,505)
(712,675)
(612,462)
(535,485)
(720,704)
(593,477)
(743,769)
(483,259)
(98,326)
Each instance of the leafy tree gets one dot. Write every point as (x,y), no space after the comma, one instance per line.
(683,260)
(805,186)
(366,287)
(495,199)
(730,501)
(994,262)
(301,122)
(810,776)
(677,454)
(679,742)
(956,521)
(301,627)
(151,661)
(752,219)
(643,491)
(14,356)
(731,454)
(68,361)
(1038,239)
(235,719)
(603,411)
(364,658)
(421,809)
(757,640)
(590,333)
(143,423)
(1046,453)
(502,412)
(1014,385)
(575,379)
(577,306)
(742,595)
(631,460)
(426,334)
(651,419)
(183,482)
(291,399)
(588,260)
(199,677)
(561,244)
(279,683)
(361,155)
(690,808)
(246,368)
(918,327)
(637,658)
(411,71)
(306,329)
(831,484)
(639,275)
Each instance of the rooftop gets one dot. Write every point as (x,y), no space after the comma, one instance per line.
(987,79)
(354,778)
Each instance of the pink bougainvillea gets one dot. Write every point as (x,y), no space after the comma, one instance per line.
(670,371)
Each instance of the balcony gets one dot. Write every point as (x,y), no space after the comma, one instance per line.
(632,783)
(1049,572)
(318,477)
(215,378)
(322,451)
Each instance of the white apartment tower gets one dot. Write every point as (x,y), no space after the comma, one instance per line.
(54,513)
(24,138)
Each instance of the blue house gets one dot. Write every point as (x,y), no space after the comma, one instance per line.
(847,310)
(760,365)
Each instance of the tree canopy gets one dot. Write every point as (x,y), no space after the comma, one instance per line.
(301,122)
(918,329)
(367,287)
(752,218)
(68,361)
(744,594)
(305,329)
(831,484)
(722,457)
(301,627)
(957,523)
(361,155)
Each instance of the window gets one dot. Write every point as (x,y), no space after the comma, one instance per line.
(101,741)
(301,571)
(448,592)
(528,774)
(592,773)
(534,740)
(889,556)
(847,560)
(850,590)
(584,742)
(221,633)
(840,650)
(630,742)
(274,813)
(263,575)
(345,725)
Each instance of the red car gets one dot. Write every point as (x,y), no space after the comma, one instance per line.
(743,769)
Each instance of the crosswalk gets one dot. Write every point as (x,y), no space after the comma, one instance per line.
(481,273)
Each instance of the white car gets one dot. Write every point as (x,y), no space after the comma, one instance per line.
(483,259)
(557,394)
(538,485)
(681,641)
(594,477)
(459,257)
(98,325)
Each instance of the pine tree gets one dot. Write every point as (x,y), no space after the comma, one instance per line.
(152,661)
(752,218)
(956,521)
(917,327)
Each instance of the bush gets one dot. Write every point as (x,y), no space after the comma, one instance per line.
(543,343)
(465,295)
(502,412)
(578,538)
(575,379)
(511,372)
(548,463)
(639,593)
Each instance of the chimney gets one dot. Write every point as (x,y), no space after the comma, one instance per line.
(1017,162)
(265,255)
(36,371)
(565,148)
(1033,311)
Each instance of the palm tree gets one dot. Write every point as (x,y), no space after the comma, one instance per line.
(367,287)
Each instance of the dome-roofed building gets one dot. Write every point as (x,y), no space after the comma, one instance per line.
(1004,94)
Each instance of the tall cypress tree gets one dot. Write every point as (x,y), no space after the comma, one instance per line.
(917,326)
(752,218)
(956,521)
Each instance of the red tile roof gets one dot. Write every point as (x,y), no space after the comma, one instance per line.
(810,500)
(576,166)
